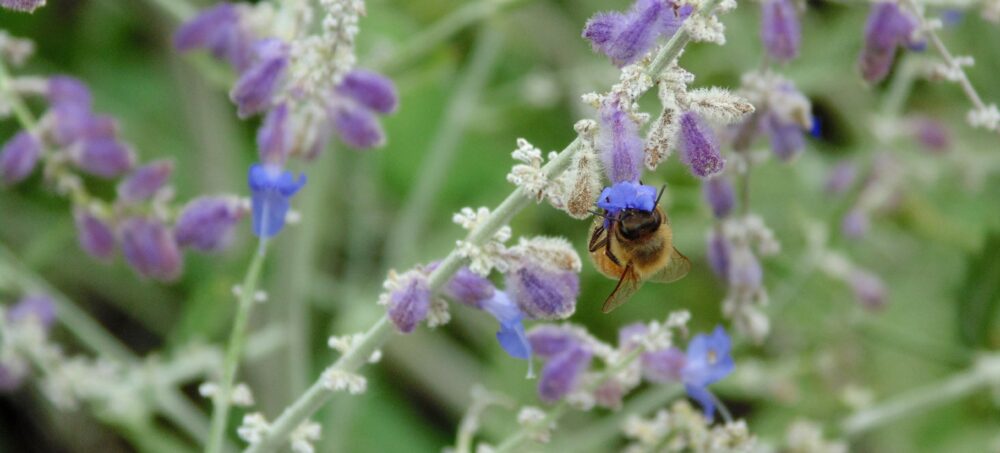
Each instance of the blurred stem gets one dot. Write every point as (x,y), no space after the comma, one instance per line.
(900,87)
(431,37)
(512,442)
(21,110)
(220,413)
(984,373)
(179,10)
(412,219)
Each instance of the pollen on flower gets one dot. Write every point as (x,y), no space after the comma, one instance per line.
(337,380)
(254,428)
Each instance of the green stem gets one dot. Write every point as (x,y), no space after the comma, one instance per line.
(220,413)
(21,110)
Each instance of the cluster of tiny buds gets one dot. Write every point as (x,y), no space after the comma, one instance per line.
(254,428)
(482,258)
(241,394)
(806,437)
(345,343)
(304,436)
(682,429)
(337,380)
(535,421)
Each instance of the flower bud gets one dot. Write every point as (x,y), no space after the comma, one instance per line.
(409,303)
(562,373)
(22,5)
(94,234)
(218,30)
(18,158)
(779,29)
(370,89)
(888,27)
(39,307)
(206,223)
(720,196)
(150,248)
(542,292)
(274,138)
(103,157)
(548,341)
(357,126)
(718,250)
(699,150)
(787,139)
(145,181)
(74,123)
(254,91)
(665,365)
(625,38)
(469,287)
(68,90)
(621,147)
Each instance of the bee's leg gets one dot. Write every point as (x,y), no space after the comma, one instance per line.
(594,242)
(607,247)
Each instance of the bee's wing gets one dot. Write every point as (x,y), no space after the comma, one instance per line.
(676,269)
(628,284)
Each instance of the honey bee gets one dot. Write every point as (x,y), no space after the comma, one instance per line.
(634,246)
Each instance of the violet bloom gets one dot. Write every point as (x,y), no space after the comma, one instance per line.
(38,307)
(699,149)
(95,235)
(467,287)
(145,181)
(254,91)
(26,6)
(105,157)
(549,340)
(357,126)
(887,28)
(706,361)
(409,304)
(931,133)
(370,89)
(787,138)
(719,194)
(271,188)
(717,253)
(362,96)
(566,359)
(620,145)
(543,292)
(218,30)
(779,29)
(274,138)
(73,123)
(150,248)
(68,90)
(511,335)
(626,37)
(206,223)
(18,158)
(627,195)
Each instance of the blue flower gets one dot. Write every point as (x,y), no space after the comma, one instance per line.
(627,195)
(511,334)
(271,188)
(708,361)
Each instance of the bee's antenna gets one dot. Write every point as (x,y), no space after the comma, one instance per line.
(599,214)
(662,189)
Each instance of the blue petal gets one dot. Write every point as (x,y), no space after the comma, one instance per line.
(704,398)
(511,335)
(627,195)
(271,188)
(708,358)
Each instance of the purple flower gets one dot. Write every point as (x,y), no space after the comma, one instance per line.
(561,373)
(357,126)
(745,271)
(841,177)
(627,195)
(94,234)
(254,91)
(218,30)
(665,365)
(274,138)
(468,287)
(855,223)
(699,150)
(868,289)
(718,254)
(145,181)
(620,145)
(543,292)
(103,157)
(779,29)
(370,89)
(511,334)
(708,361)
(787,138)
(548,341)
(888,27)
(22,5)
(409,304)
(626,37)
(270,189)
(720,196)
(67,90)
(18,158)
(39,307)
(629,335)
(931,133)
(76,123)
(206,223)
(150,248)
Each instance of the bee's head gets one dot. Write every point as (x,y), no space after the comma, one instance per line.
(636,224)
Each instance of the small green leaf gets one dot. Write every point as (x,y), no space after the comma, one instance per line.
(979,295)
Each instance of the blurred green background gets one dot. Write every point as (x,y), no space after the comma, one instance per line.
(932,251)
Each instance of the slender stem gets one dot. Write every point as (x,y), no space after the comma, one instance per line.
(21,110)
(986,372)
(403,238)
(900,87)
(220,413)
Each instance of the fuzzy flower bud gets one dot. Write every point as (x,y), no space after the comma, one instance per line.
(547,341)
(68,90)
(720,195)
(73,123)
(779,29)
(665,365)
(787,139)
(95,235)
(543,278)
(562,373)
(18,158)
(718,253)
(26,6)
(145,181)
(150,248)
(699,149)
(254,91)
(218,30)
(626,37)
(410,302)
(104,157)
(887,28)
(469,287)
(274,138)
(370,89)
(620,145)
(206,223)
(357,126)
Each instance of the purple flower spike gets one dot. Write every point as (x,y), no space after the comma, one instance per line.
(358,127)
(271,188)
(855,223)
(888,27)
(699,149)
(218,30)
(18,158)
(627,195)
(254,91)
(665,365)
(868,289)
(39,307)
(548,341)
(206,223)
(274,138)
(625,38)
(67,90)
(779,29)
(620,145)
(26,6)
(718,254)
(150,248)
(511,335)
(708,361)
(787,139)
(370,89)
(145,181)
(720,196)
(469,287)
(562,373)
(543,293)
(841,178)
(95,235)
(409,304)
(104,157)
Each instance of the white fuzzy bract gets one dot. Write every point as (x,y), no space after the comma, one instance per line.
(338,380)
